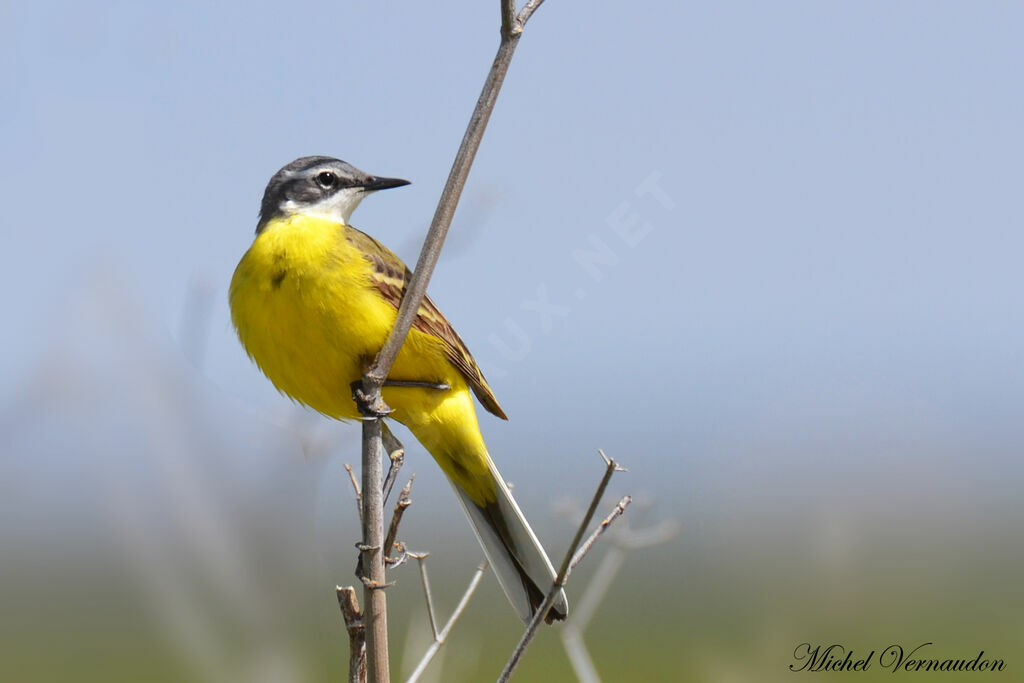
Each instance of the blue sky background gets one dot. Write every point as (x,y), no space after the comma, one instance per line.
(819,310)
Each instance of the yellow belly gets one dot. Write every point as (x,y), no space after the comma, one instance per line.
(307,313)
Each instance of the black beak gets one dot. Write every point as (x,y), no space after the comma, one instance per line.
(375,183)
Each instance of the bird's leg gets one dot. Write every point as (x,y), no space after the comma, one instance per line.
(439,386)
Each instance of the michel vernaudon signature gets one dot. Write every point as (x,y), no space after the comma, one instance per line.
(895,657)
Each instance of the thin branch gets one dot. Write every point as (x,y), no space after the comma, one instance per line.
(417,287)
(355,486)
(528,9)
(396,516)
(396,453)
(623,539)
(349,604)
(371,402)
(440,638)
(420,560)
(598,586)
(397,458)
(611,467)
(592,539)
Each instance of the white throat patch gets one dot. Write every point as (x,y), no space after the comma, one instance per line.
(338,207)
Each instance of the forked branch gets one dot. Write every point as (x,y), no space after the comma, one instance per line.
(441,636)
(623,539)
(572,558)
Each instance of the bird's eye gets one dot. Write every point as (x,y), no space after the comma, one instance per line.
(326,179)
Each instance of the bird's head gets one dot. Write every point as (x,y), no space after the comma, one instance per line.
(319,186)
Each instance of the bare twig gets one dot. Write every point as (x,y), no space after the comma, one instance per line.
(611,467)
(396,453)
(349,603)
(440,638)
(420,560)
(355,486)
(623,539)
(528,9)
(396,516)
(390,540)
(512,28)
(373,379)
(592,539)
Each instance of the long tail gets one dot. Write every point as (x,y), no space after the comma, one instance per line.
(519,561)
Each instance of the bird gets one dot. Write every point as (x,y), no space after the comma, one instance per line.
(313,300)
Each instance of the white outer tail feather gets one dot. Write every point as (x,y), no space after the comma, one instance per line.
(533,559)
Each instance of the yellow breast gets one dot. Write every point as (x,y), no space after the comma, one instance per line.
(306,312)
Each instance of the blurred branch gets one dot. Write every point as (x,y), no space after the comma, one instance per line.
(622,539)
(440,638)
(195,319)
(579,656)
(349,604)
(368,394)
(572,558)
(512,26)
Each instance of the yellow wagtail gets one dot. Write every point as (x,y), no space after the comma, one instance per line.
(313,300)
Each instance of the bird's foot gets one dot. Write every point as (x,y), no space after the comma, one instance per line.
(370,407)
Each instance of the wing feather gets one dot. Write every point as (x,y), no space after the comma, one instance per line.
(390,276)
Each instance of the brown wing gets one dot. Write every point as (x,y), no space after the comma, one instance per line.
(390,277)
